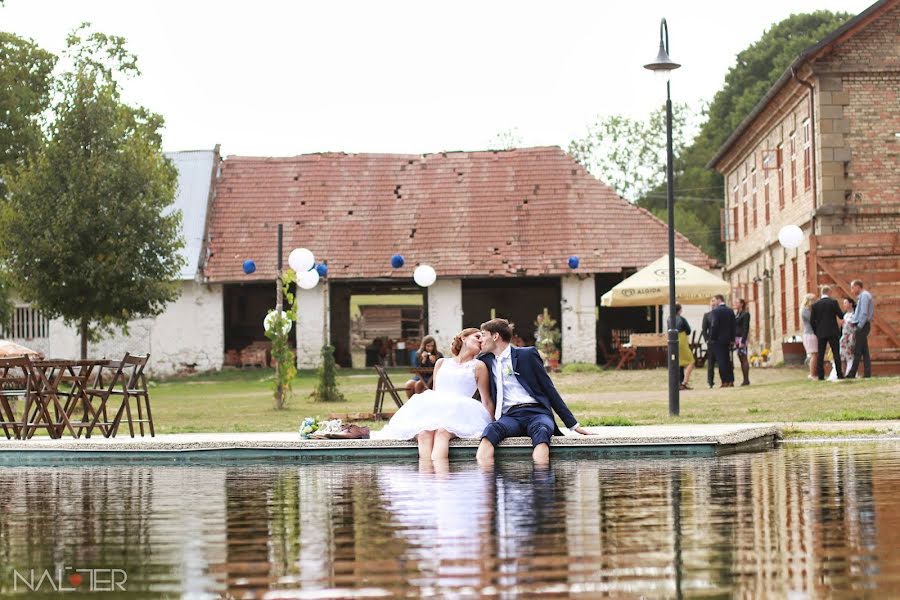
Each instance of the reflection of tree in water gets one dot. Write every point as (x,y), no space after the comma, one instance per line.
(86,517)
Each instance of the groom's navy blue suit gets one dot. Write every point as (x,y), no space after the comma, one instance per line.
(529,370)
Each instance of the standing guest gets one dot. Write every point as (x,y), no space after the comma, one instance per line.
(426,357)
(722,332)
(824,317)
(741,344)
(704,333)
(685,356)
(810,343)
(848,334)
(862,325)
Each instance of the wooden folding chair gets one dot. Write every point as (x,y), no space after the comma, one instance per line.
(15,382)
(385,386)
(97,390)
(135,387)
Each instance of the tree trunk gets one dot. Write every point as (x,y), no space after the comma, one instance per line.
(83,330)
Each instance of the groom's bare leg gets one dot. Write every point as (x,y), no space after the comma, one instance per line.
(426,442)
(441,447)
(485,454)
(541,454)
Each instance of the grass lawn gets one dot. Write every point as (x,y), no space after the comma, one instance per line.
(241,400)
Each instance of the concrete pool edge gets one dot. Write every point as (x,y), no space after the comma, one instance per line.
(658,441)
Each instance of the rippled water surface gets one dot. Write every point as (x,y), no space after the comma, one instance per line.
(805,521)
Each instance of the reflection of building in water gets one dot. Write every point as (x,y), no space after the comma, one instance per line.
(761,525)
(247,495)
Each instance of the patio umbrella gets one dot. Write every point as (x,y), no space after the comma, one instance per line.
(8,348)
(650,286)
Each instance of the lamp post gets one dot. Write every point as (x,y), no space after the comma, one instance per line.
(663,65)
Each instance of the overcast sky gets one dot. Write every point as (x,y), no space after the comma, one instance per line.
(284,78)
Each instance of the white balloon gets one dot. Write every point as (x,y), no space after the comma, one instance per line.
(267,322)
(301,259)
(424,275)
(790,236)
(308,279)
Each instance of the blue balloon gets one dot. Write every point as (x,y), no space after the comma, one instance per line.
(249,266)
(573,262)
(397,261)
(322,269)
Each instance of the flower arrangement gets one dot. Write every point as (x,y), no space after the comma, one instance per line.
(309,426)
(760,359)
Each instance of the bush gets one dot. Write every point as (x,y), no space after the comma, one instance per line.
(581,367)
(327,389)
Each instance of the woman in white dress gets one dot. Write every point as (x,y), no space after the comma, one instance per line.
(434,418)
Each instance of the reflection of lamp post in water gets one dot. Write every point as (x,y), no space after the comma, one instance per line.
(663,65)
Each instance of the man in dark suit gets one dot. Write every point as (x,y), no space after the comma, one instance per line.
(704,333)
(524,395)
(824,316)
(722,331)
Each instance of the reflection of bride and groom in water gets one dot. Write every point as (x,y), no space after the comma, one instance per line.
(473,528)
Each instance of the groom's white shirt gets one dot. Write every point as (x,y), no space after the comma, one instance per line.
(509,390)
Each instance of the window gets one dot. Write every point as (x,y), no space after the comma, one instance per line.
(807,155)
(744,203)
(26,324)
(783,300)
(779,168)
(756,310)
(736,223)
(796,294)
(766,200)
(793,167)
(753,198)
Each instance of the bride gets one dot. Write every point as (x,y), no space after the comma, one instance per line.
(434,418)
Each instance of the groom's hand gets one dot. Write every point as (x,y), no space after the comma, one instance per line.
(583,431)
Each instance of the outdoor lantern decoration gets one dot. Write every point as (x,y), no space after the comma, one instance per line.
(249,266)
(424,275)
(322,269)
(574,262)
(301,260)
(267,322)
(397,261)
(307,280)
(790,236)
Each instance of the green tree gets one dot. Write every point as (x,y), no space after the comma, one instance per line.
(89,224)
(25,85)
(26,80)
(630,154)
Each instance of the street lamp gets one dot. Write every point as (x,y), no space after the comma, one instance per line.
(663,65)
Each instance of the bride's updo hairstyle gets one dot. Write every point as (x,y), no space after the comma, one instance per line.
(457,343)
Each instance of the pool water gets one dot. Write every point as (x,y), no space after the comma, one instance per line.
(801,521)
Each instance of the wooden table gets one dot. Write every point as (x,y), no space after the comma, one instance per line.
(76,374)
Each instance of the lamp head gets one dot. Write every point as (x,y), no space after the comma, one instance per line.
(663,65)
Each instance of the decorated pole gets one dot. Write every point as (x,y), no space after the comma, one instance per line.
(279,293)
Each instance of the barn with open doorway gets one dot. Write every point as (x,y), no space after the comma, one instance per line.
(497,226)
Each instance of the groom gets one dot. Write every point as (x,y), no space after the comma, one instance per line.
(523,393)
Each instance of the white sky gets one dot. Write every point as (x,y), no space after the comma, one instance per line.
(283,78)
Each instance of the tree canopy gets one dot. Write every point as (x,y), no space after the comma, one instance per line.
(88,225)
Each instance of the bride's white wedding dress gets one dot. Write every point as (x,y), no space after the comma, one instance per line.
(450,406)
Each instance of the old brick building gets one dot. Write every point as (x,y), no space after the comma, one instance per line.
(821,150)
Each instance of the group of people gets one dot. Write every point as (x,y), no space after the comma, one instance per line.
(844,328)
(723,330)
(517,397)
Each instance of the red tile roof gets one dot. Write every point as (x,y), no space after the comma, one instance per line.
(467,214)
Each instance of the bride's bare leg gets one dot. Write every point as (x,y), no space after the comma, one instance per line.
(426,442)
(441,448)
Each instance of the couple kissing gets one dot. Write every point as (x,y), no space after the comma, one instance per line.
(517,398)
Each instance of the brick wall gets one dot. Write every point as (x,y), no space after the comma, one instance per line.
(854,144)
